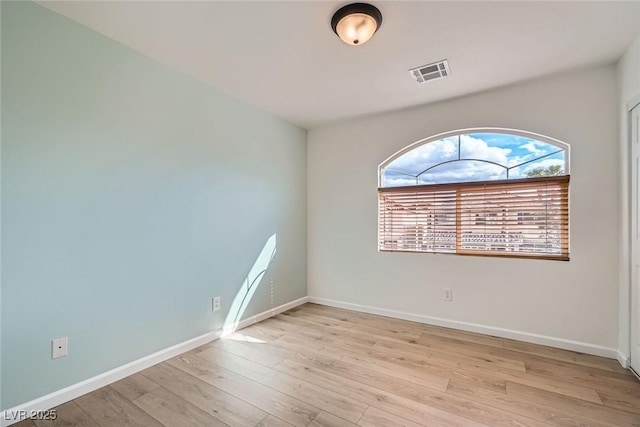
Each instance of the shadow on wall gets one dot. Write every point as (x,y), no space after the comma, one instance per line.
(250,285)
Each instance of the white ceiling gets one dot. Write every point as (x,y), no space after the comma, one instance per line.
(284,58)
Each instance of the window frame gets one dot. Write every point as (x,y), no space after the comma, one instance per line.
(564,179)
(525,134)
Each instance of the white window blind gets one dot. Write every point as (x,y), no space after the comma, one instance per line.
(517,218)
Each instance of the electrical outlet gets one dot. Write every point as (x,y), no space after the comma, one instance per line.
(215,304)
(447,295)
(59,347)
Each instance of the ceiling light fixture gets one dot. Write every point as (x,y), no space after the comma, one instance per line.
(356,23)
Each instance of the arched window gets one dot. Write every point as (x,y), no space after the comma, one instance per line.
(496,192)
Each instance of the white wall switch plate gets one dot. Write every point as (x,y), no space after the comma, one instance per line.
(59,347)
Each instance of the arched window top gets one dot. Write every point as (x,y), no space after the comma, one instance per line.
(469,155)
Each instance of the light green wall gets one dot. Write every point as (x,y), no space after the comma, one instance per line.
(131,195)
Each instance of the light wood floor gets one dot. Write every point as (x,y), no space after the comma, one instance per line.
(320,366)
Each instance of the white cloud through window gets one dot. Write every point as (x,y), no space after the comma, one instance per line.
(471,157)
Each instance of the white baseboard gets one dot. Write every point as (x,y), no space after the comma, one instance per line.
(623,359)
(564,344)
(264,315)
(51,400)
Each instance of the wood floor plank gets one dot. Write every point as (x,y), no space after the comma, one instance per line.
(423,364)
(370,336)
(374,320)
(255,333)
(67,415)
(388,401)
(353,317)
(364,365)
(469,367)
(469,337)
(574,406)
(174,411)
(253,353)
(338,324)
(25,423)
(274,402)
(550,384)
(621,382)
(286,326)
(521,406)
(305,327)
(566,388)
(375,417)
(201,348)
(565,355)
(320,333)
(513,361)
(269,327)
(325,419)
(623,385)
(134,386)
(109,408)
(338,313)
(239,365)
(486,361)
(365,375)
(622,401)
(387,329)
(450,368)
(414,407)
(417,376)
(330,401)
(217,403)
(272,421)
(361,341)
(599,379)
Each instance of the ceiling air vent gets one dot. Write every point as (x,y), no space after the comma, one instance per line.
(425,73)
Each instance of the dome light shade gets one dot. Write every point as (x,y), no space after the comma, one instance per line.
(356,23)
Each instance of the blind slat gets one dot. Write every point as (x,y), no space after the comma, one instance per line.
(524,218)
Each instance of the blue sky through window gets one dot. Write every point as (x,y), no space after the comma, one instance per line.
(482,156)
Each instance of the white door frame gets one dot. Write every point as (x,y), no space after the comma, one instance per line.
(630,261)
